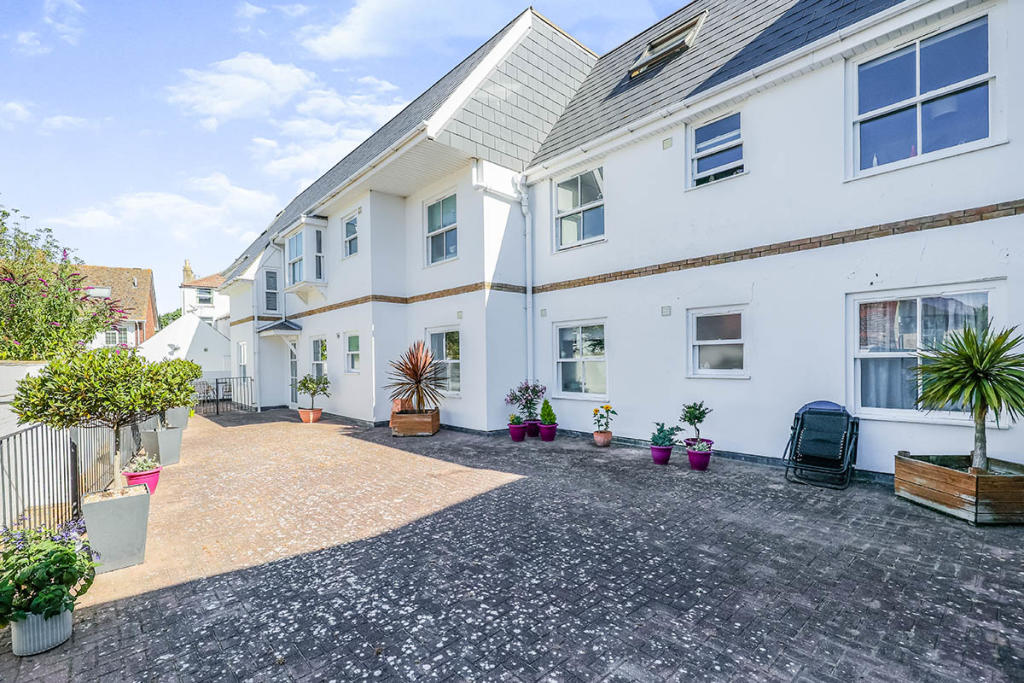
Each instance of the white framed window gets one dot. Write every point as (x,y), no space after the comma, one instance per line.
(318,365)
(271,290)
(351,236)
(717,148)
(716,338)
(579,209)
(100,292)
(581,368)
(318,254)
(352,353)
(887,330)
(930,95)
(295,258)
(243,359)
(445,347)
(442,230)
(204,295)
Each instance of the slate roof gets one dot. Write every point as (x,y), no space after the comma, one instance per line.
(133,287)
(215,280)
(737,36)
(415,113)
(282,326)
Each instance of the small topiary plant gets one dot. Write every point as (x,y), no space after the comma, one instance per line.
(547,414)
(694,414)
(313,387)
(664,437)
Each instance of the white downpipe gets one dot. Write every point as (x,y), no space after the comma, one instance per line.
(256,341)
(524,205)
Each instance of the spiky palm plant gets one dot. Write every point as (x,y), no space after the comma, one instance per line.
(416,376)
(980,370)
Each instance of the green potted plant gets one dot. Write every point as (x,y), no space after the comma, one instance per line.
(526,397)
(42,573)
(516,428)
(603,422)
(698,450)
(182,371)
(313,386)
(169,388)
(548,422)
(980,371)
(143,469)
(662,441)
(98,388)
(417,380)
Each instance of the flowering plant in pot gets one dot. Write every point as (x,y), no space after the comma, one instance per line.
(548,422)
(143,469)
(516,428)
(603,423)
(697,449)
(526,397)
(42,573)
(662,441)
(313,386)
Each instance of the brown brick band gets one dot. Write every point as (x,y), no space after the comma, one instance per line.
(262,318)
(439,294)
(940,220)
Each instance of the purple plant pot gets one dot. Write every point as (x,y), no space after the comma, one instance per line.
(661,454)
(691,441)
(698,459)
(532,427)
(547,432)
(517,432)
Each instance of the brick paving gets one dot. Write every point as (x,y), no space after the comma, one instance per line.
(592,565)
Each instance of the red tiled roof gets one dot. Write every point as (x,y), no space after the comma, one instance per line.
(214,281)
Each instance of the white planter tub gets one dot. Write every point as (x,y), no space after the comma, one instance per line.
(36,634)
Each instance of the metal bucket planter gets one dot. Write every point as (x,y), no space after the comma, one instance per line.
(163,444)
(36,634)
(178,417)
(116,522)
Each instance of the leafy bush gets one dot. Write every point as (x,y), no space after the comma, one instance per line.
(416,376)
(694,414)
(43,571)
(603,417)
(664,436)
(525,397)
(313,387)
(169,385)
(547,414)
(142,463)
(514,419)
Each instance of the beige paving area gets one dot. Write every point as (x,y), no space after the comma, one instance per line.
(257,488)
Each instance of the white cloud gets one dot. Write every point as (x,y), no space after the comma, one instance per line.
(28,43)
(293,10)
(247,10)
(368,108)
(12,113)
(64,17)
(63,122)
(377,83)
(248,85)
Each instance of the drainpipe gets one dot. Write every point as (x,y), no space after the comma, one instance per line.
(256,340)
(524,205)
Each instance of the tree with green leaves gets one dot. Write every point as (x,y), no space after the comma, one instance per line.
(168,318)
(170,385)
(313,387)
(979,369)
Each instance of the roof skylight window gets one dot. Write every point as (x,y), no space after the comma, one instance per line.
(677,40)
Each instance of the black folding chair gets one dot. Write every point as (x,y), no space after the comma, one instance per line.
(822,448)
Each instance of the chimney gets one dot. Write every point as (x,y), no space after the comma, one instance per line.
(187,275)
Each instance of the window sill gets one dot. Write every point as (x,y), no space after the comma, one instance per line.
(966,148)
(925,419)
(580,397)
(691,188)
(585,243)
(441,263)
(452,394)
(694,375)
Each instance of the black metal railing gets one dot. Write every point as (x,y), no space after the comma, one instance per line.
(224,395)
(38,477)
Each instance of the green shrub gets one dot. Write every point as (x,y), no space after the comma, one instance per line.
(313,387)
(547,414)
(664,436)
(694,414)
(514,419)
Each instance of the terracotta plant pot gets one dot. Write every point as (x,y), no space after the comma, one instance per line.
(661,454)
(517,432)
(150,478)
(532,427)
(602,439)
(310,415)
(547,432)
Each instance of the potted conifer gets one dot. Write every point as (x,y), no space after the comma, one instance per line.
(662,440)
(313,386)
(417,379)
(548,422)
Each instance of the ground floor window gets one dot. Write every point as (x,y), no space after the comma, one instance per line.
(116,336)
(352,353)
(444,345)
(716,342)
(243,359)
(319,364)
(581,366)
(293,373)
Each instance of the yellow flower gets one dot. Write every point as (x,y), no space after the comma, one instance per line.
(595,411)
(607,407)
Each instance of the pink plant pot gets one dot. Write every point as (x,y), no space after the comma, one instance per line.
(661,454)
(150,478)
(547,432)
(517,432)
(532,427)
(602,439)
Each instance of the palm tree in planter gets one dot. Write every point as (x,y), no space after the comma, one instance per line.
(417,382)
(982,371)
(313,387)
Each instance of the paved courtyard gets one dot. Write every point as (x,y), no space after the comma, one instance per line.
(339,553)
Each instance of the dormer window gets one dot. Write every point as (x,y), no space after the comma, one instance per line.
(675,41)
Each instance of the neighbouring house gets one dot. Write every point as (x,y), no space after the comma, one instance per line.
(200,296)
(134,288)
(752,204)
(191,338)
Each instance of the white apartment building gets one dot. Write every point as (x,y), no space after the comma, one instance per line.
(752,204)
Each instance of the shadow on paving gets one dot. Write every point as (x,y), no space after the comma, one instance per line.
(597,565)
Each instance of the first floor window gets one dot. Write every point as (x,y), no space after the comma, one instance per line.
(581,359)
(579,207)
(444,346)
(717,150)
(716,343)
(352,353)
(270,290)
(318,254)
(891,332)
(243,359)
(295,258)
(204,295)
(351,236)
(319,365)
(442,230)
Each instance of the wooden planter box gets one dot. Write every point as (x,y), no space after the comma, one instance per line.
(978,498)
(412,423)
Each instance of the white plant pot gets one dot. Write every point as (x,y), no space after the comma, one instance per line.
(36,634)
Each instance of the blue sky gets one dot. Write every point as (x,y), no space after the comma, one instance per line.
(145,133)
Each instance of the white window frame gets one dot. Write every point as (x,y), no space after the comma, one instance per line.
(559,215)
(557,361)
(426,227)
(695,156)
(313,362)
(348,240)
(997,107)
(319,249)
(101,292)
(243,359)
(441,330)
(997,307)
(694,370)
(290,260)
(349,370)
(276,292)
(208,296)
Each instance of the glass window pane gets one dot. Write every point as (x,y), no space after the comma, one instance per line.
(717,133)
(436,248)
(720,357)
(353,342)
(350,227)
(718,159)
(319,241)
(568,194)
(434,217)
(569,229)
(593,222)
(725,326)
(593,340)
(591,186)
(454,377)
(451,243)
(353,362)
(437,345)
(271,301)
(887,80)
(955,55)
(271,276)
(451,345)
(352,246)
(448,211)
(888,325)
(568,342)
(888,383)
(571,379)
(955,119)
(595,377)
(888,138)
(941,315)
